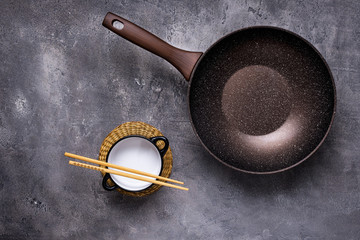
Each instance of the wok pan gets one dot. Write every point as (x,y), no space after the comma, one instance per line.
(261,99)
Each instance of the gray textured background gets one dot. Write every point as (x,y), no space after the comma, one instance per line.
(66,82)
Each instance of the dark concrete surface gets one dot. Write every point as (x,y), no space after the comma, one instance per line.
(66,82)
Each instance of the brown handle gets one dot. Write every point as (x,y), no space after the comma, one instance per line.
(183,60)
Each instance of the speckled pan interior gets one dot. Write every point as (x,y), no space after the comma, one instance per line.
(262,99)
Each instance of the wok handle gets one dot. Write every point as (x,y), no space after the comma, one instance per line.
(183,60)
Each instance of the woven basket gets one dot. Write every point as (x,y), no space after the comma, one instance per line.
(142,129)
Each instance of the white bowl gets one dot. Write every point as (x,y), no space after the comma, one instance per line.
(138,153)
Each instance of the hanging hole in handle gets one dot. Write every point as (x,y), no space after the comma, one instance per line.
(118,25)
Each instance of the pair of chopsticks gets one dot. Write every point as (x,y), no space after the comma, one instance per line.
(141,178)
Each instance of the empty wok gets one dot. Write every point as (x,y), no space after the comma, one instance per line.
(261,99)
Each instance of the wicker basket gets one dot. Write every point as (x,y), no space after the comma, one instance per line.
(142,129)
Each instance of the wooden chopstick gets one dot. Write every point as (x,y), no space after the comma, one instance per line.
(120,167)
(145,179)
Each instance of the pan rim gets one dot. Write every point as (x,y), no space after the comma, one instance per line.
(300,38)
